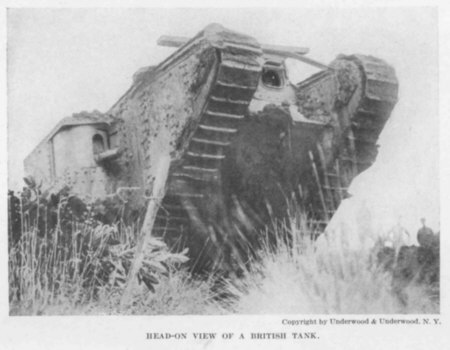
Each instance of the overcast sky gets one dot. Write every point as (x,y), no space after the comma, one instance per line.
(66,61)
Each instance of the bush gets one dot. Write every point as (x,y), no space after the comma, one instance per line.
(71,261)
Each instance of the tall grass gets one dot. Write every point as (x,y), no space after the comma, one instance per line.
(78,267)
(81,267)
(325,277)
(44,271)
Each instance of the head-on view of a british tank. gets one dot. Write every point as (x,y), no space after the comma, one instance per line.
(242,139)
(214,172)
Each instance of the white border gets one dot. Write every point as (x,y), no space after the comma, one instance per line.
(126,332)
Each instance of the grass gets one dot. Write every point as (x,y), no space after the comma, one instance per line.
(81,268)
(78,267)
(325,280)
(87,276)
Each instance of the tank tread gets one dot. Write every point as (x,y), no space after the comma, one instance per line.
(189,176)
(191,180)
(206,155)
(334,187)
(378,98)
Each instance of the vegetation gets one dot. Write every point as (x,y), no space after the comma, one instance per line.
(325,278)
(64,260)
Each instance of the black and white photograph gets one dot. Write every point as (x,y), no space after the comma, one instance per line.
(223,164)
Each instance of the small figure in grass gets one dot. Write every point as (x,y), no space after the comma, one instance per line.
(425,235)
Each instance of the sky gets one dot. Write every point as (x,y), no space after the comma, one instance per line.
(70,60)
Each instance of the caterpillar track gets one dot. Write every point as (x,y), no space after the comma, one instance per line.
(373,102)
(379,97)
(196,177)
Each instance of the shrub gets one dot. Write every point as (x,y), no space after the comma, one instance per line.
(73,260)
